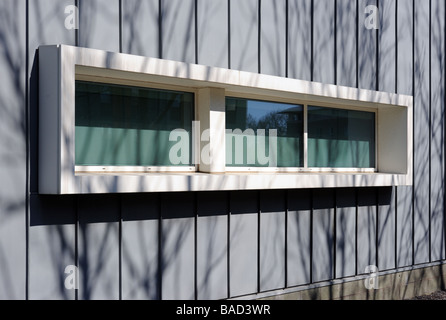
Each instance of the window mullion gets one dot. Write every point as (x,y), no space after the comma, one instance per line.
(211,117)
(305,136)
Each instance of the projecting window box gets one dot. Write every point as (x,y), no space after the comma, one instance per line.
(119,123)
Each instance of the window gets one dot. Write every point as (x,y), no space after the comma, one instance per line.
(271,134)
(339,138)
(120,125)
(263,134)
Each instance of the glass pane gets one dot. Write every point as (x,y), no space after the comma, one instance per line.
(340,138)
(262,134)
(130,126)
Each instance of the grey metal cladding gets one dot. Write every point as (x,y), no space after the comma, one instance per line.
(138,16)
(223,244)
(13,150)
(345,232)
(99,25)
(421,129)
(140,244)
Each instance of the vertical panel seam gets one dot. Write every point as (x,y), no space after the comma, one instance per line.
(377,229)
(120,247)
(229,34)
(28,151)
(286,37)
(335,215)
(444,138)
(378,35)
(396,92)
(160,29)
(120,25)
(228,247)
(357,43)
(76,31)
(396,46)
(160,248)
(286,238)
(413,125)
(311,233)
(335,34)
(312,42)
(396,225)
(430,130)
(259,36)
(196,29)
(195,244)
(76,242)
(356,231)
(79,3)
(259,211)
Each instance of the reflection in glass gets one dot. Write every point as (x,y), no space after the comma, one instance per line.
(128,126)
(245,145)
(339,138)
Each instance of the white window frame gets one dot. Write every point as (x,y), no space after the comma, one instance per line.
(61,65)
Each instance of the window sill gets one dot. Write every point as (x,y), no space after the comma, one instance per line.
(184,182)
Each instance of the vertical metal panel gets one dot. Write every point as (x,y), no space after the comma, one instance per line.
(299,237)
(437,129)
(272,240)
(323,43)
(387,41)
(140,247)
(140,27)
(273,37)
(13,150)
(178,30)
(51,247)
(386,228)
(366,220)
(244,31)
(323,235)
(404,227)
(421,133)
(212,246)
(177,246)
(99,24)
(47,24)
(212,31)
(367,49)
(299,39)
(98,247)
(387,83)
(404,86)
(243,243)
(345,233)
(346,43)
(404,45)
(53,220)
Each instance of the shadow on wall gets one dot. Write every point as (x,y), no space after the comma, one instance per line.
(153,237)
(13,155)
(100,233)
(142,246)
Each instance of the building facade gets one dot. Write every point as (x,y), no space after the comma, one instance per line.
(231,242)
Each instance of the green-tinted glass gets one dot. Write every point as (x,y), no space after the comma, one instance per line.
(248,146)
(129,126)
(339,138)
